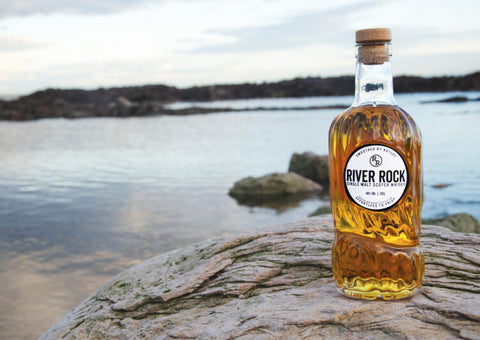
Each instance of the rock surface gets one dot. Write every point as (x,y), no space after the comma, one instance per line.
(311,166)
(276,283)
(273,185)
(462,222)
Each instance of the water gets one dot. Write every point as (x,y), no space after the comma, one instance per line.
(81,200)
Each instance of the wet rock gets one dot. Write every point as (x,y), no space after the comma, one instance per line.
(311,166)
(273,185)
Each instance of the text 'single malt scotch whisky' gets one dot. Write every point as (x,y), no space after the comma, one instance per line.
(376,183)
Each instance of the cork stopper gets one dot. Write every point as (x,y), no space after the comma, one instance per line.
(373,45)
(373,35)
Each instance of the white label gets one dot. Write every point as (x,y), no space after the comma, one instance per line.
(376,177)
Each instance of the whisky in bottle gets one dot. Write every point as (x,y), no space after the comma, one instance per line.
(376,183)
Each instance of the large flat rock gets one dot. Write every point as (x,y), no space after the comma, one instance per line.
(276,283)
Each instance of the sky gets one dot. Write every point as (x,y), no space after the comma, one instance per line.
(91,43)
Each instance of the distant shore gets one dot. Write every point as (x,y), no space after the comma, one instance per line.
(152,99)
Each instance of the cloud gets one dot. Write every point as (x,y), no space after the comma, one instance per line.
(27,7)
(9,44)
(437,63)
(409,35)
(328,26)
(21,8)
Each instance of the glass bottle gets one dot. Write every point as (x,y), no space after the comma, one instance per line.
(376,183)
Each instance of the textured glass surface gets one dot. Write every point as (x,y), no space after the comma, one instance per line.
(375,253)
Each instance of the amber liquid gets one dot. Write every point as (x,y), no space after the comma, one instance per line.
(376,254)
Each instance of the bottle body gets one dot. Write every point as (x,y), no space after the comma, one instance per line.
(376,183)
(376,208)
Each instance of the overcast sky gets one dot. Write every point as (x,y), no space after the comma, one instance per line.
(104,43)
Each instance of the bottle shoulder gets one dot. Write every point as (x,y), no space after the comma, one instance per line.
(376,110)
(387,123)
(370,114)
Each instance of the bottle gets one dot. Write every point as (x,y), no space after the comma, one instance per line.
(376,183)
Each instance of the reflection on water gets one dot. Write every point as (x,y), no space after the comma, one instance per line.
(81,200)
(40,286)
(278,203)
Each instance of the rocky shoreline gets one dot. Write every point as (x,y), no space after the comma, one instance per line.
(152,99)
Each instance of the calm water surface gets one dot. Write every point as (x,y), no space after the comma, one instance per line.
(81,200)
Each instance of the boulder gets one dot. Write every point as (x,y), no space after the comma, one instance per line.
(462,222)
(273,185)
(276,283)
(311,166)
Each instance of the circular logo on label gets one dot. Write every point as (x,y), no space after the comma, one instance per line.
(376,177)
(376,160)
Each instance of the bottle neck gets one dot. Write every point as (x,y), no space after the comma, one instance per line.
(373,78)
